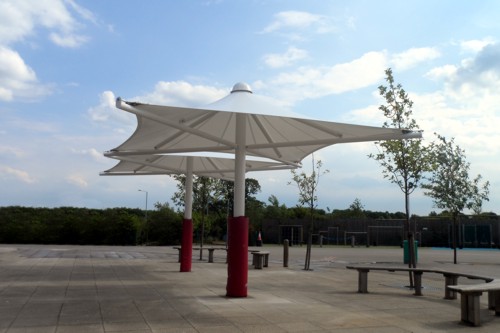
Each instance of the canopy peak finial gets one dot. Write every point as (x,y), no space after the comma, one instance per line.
(241,86)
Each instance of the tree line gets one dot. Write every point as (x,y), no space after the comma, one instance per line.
(128,226)
(84,226)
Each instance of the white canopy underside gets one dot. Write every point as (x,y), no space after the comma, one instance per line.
(214,167)
(174,130)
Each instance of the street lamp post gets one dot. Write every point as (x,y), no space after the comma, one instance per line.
(146,216)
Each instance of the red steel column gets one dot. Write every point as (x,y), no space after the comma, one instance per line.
(186,245)
(237,257)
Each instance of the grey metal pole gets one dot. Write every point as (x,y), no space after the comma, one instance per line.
(285,253)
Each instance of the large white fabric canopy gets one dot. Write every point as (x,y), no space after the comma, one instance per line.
(170,130)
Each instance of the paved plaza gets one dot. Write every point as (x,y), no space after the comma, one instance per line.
(50,288)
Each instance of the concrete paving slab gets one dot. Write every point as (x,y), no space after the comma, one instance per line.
(140,289)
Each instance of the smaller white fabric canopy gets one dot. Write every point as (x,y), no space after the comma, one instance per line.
(214,167)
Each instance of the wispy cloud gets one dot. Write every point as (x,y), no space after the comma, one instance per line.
(182,93)
(475,45)
(314,82)
(17,174)
(294,24)
(93,153)
(291,56)
(77,180)
(412,57)
(293,19)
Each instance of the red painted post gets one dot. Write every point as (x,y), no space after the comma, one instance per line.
(186,245)
(237,257)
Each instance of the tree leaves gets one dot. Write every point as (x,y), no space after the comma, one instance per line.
(449,185)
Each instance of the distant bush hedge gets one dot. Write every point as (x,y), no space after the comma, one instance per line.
(83,226)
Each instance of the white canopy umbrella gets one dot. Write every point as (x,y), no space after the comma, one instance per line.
(243,124)
(168,129)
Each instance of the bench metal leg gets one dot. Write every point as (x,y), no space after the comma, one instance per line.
(211,255)
(363,281)
(470,308)
(418,283)
(266,260)
(450,280)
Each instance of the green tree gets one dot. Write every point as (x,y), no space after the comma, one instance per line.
(357,209)
(449,185)
(275,210)
(404,162)
(308,185)
(224,191)
(165,225)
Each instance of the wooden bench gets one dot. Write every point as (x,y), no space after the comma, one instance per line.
(260,259)
(209,249)
(469,300)
(451,278)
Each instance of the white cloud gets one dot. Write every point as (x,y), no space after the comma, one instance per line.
(105,109)
(314,82)
(93,153)
(292,24)
(411,57)
(476,45)
(77,180)
(293,19)
(181,93)
(443,72)
(18,80)
(17,174)
(20,18)
(68,40)
(288,58)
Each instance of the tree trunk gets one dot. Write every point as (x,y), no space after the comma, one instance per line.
(308,252)
(412,262)
(454,238)
(309,241)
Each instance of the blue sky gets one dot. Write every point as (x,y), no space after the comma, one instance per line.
(63,63)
